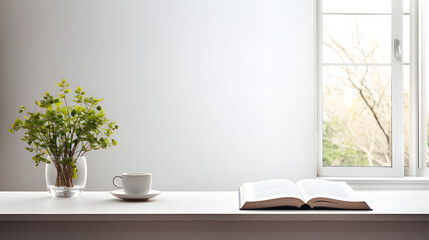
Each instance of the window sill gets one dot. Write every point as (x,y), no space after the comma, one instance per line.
(384,183)
(200,206)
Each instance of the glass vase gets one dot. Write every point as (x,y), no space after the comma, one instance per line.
(61,181)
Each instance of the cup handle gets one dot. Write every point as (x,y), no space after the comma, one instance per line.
(115,183)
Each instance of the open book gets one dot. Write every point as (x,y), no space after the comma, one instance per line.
(305,194)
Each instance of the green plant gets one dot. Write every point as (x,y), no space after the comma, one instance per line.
(65,132)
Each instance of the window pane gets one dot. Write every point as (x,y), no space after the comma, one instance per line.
(407,115)
(353,6)
(357,116)
(406,80)
(406,39)
(406,6)
(359,39)
(427,103)
(425,78)
(427,109)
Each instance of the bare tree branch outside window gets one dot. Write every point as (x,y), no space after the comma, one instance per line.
(356,105)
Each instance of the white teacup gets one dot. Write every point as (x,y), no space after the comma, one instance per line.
(135,182)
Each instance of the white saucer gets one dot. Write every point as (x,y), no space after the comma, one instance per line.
(121,194)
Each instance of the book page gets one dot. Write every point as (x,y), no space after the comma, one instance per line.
(315,188)
(270,189)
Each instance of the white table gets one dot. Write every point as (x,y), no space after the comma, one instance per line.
(208,215)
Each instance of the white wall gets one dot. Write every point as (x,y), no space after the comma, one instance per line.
(208,94)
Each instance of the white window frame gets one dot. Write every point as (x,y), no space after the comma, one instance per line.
(421,76)
(397,169)
(415,136)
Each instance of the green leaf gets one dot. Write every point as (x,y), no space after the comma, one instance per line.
(98,108)
(114,142)
(43,159)
(21,109)
(78,89)
(67,90)
(59,85)
(63,81)
(79,109)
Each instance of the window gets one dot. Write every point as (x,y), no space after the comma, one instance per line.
(372,110)
(423,92)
